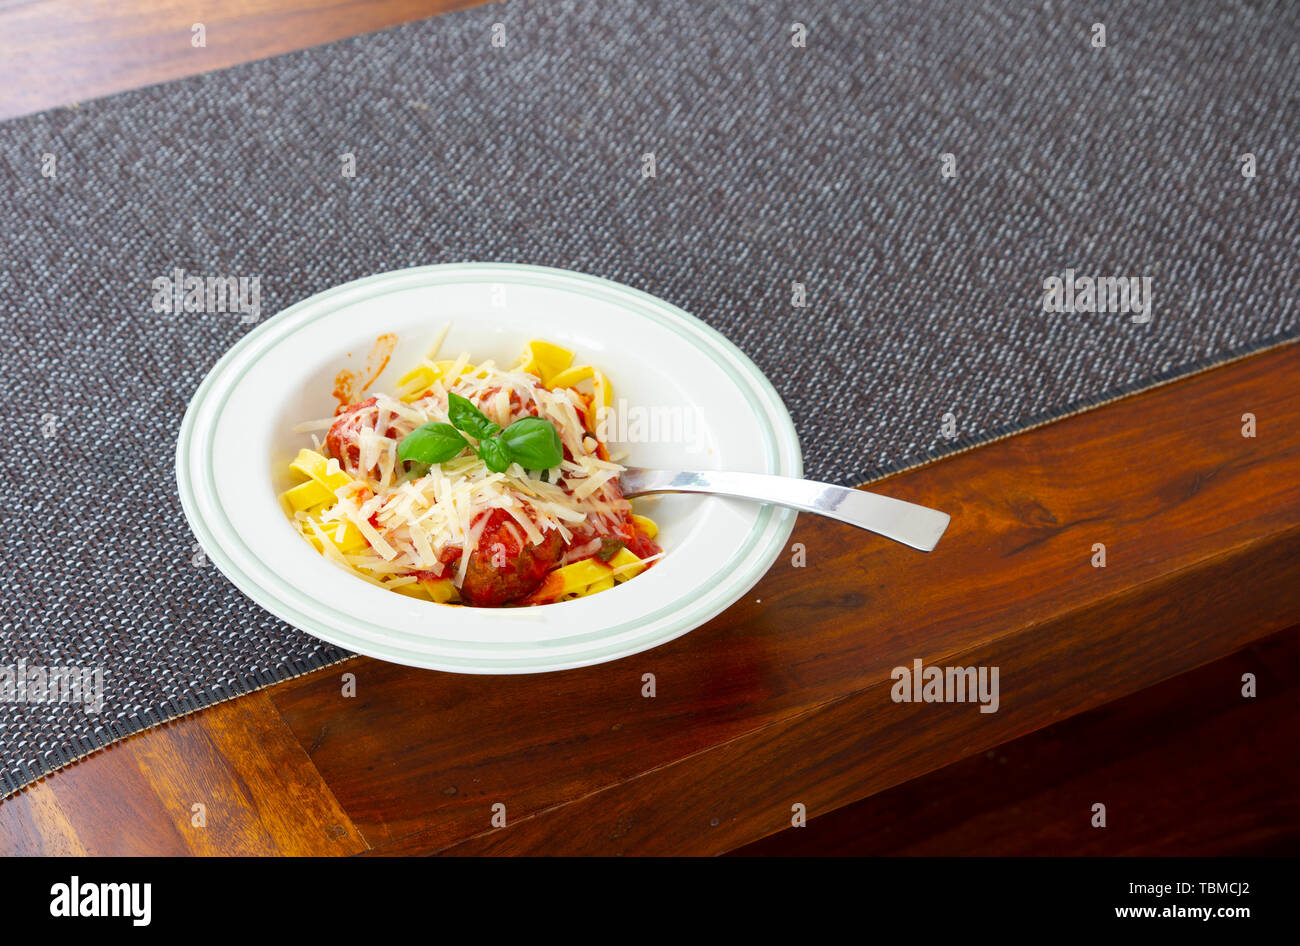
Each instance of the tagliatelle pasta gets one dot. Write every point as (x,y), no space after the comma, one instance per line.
(474,484)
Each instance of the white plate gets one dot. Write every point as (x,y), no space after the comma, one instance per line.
(236,441)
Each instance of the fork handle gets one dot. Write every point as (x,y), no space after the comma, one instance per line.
(908,523)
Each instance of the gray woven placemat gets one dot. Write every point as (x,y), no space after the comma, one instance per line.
(774,164)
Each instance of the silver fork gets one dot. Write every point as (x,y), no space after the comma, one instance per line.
(908,523)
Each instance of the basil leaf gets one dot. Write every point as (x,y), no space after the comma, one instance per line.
(608,549)
(493,452)
(533,443)
(465,416)
(432,443)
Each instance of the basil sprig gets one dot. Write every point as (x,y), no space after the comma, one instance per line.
(531,442)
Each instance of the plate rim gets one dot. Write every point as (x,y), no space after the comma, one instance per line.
(771,529)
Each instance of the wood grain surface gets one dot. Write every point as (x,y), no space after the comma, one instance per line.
(61,52)
(783,699)
(1191,744)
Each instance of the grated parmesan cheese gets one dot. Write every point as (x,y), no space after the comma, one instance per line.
(411,520)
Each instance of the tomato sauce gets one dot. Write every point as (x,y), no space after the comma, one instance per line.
(350,385)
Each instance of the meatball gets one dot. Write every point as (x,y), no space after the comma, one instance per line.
(502,569)
(342,439)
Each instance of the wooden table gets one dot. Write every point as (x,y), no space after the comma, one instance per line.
(782,700)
